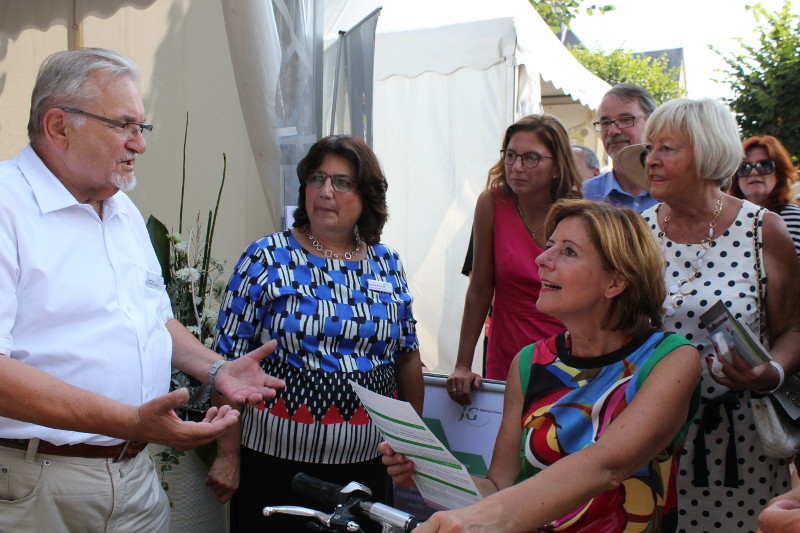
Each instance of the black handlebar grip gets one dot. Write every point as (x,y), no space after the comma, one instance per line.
(412,523)
(322,491)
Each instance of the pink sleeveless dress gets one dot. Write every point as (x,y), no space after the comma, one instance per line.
(516,322)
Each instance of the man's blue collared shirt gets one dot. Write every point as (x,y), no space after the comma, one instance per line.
(606,188)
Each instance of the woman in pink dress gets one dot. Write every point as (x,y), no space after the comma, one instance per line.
(535,169)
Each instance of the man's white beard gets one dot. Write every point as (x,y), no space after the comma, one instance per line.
(124,182)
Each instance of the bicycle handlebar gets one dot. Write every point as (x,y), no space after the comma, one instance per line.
(347,501)
(328,494)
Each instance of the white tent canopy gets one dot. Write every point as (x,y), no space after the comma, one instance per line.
(450,76)
(499,30)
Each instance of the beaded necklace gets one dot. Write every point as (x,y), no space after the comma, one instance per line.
(330,254)
(684,287)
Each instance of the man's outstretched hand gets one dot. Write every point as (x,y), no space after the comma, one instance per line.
(156,421)
(244,381)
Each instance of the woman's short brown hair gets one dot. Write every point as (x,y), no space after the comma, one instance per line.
(370,182)
(552,133)
(785,172)
(629,249)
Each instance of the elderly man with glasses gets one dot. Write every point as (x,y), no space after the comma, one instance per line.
(87,336)
(623,114)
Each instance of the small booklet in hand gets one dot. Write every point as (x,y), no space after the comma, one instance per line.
(727,331)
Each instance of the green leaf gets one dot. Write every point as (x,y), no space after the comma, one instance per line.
(561,12)
(158,237)
(183,174)
(207,453)
(765,78)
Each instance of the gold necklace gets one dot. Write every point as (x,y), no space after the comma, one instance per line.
(684,287)
(330,254)
(531,231)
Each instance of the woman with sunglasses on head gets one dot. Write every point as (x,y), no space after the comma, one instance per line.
(766,177)
(720,248)
(536,168)
(337,302)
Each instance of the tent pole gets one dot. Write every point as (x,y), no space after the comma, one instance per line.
(336,79)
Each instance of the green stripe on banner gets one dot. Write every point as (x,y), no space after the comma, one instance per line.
(462,489)
(376,413)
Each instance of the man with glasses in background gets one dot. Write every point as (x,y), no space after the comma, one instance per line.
(623,114)
(87,336)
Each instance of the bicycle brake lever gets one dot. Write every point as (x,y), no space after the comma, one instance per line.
(294,510)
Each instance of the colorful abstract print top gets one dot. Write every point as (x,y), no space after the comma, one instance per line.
(570,401)
(334,320)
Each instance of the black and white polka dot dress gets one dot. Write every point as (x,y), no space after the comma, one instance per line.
(740,479)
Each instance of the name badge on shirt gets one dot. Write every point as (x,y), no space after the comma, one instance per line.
(154,281)
(379,286)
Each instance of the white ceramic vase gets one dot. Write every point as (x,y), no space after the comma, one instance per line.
(195,510)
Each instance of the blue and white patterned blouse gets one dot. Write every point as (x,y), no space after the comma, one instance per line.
(334,320)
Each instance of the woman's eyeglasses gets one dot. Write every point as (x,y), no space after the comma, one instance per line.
(529,159)
(763,167)
(339,182)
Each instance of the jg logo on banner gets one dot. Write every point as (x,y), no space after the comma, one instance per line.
(477,417)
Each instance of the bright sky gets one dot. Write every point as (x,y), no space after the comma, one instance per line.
(644,25)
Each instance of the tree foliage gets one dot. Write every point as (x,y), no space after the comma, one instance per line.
(623,66)
(619,66)
(765,79)
(558,12)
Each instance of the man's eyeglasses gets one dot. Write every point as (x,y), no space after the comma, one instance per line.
(622,123)
(529,159)
(763,167)
(131,128)
(339,182)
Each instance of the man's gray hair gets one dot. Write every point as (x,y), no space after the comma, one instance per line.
(63,81)
(629,91)
(589,156)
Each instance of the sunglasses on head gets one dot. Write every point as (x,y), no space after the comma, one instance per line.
(763,167)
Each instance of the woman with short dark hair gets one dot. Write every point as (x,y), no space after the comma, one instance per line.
(337,302)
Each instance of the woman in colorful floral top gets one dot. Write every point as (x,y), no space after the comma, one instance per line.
(604,407)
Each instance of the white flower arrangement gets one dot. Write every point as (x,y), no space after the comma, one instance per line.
(192,277)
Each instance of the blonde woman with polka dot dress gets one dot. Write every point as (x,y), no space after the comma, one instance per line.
(714,245)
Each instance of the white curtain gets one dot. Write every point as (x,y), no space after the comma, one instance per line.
(256,57)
